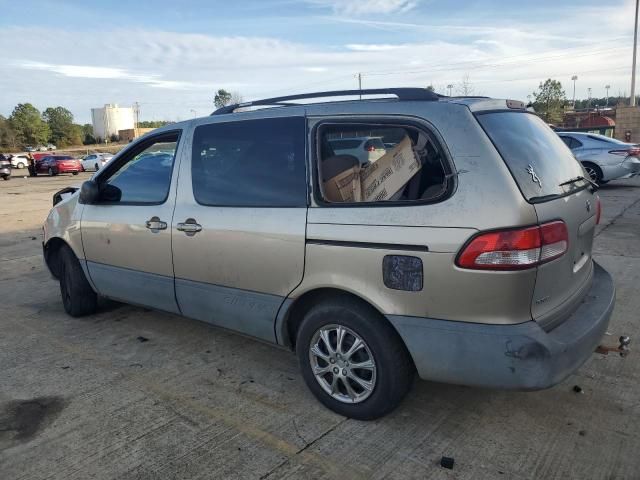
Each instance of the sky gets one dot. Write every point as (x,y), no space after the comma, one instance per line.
(171,56)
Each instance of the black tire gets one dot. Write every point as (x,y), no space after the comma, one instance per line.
(5,177)
(97,167)
(74,173)
(78,298)
(20,165)
(50,172)
(394,369)
(594,171)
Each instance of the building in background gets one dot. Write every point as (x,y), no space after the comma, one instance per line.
(110,119)
(130,134)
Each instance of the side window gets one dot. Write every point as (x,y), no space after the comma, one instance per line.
(250,163)
(390,163)
(567,141)
(575,143)
(145,175)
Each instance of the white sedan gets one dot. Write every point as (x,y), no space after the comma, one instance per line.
(95,161)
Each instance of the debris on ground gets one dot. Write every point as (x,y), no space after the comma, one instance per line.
(446,462)
(578,389)
(142,339)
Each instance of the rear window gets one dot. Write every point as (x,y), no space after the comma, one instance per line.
(375,143)
(344,144)
(536,156)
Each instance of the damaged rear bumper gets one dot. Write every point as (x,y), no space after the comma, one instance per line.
(516,357)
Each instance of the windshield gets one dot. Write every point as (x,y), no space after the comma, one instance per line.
(538,158)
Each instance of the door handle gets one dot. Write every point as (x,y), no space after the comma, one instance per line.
(154,224)
(190,227)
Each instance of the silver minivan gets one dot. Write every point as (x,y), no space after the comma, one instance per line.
(462,254)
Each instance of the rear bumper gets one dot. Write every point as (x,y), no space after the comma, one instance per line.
(63,169)
(514,357)
(629,168)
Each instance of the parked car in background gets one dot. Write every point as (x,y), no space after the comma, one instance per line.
(5,169)
(95,161)
(56,164)
(41,148)
(483,279)
(19,160)
(603,158)
(365,149)
(51,146)
(29,148)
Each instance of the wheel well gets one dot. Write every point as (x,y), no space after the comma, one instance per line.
(51,255)
(302,304)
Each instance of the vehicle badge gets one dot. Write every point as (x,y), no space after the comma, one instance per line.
(534,176)
(588,206)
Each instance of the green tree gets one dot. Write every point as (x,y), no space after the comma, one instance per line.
(430,88)
(60,121)
(28,125)
(222,98)
(87,134)
(8,136)
(153,123)
(549,101)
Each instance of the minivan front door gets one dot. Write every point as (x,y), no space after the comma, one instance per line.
(126,235)
(239,223)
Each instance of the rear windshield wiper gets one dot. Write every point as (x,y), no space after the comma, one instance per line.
(577,179)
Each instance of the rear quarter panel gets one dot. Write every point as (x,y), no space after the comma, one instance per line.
(485,197)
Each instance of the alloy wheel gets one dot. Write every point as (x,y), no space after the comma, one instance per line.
(342,363)
(593,175)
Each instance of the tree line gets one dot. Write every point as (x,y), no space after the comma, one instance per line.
(28,126)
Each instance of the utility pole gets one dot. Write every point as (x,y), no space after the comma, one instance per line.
(450,87)
(633,68)
(360,84)
(574,78)
(607,87)
(194,113)
(136,118)
(589,97)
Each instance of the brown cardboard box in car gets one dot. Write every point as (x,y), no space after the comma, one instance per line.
(386,176)
(344,187)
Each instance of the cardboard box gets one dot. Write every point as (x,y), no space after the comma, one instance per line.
(344,187)
(386,176)
(380,180)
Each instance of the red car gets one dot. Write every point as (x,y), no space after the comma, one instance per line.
(55,164)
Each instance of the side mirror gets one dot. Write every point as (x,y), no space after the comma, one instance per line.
(89,192)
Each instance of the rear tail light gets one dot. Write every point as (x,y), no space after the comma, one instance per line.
(633,152)
(370,148)
(515,249)
(598,210)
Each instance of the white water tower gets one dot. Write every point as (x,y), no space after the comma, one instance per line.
(111,118)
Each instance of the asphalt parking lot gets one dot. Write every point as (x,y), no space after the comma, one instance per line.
(133,393)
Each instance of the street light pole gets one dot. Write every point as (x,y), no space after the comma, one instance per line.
(633,68)
(450,86)
(607,87)
(574,78)
(589,96)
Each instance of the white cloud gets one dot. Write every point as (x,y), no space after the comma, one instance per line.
(369,47)
(366,7)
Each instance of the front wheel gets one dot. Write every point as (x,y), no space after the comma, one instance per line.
(352,360)
(5,177)
(78,298)
(20,165)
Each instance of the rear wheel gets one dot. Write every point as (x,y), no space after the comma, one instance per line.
(20,165)
(96,166)
(352,360)
(595,174)
(78,298)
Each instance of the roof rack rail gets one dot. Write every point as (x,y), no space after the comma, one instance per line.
(403,94)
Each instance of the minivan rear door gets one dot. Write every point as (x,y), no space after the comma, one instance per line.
(550,178)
